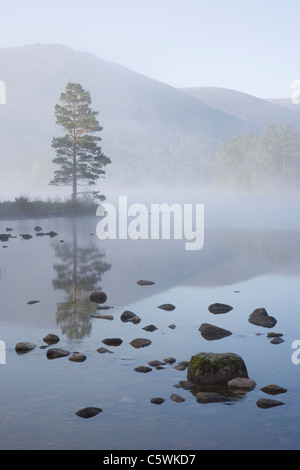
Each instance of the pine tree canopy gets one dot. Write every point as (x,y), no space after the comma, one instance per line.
(78,154)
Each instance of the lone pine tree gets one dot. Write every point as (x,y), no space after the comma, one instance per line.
(78,154)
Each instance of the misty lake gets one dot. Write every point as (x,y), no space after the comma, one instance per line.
(250,259)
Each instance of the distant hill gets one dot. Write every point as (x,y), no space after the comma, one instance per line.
(153,133)
(286,103)
(247,107)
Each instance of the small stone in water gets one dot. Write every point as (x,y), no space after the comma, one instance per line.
(88,412)
(157,400)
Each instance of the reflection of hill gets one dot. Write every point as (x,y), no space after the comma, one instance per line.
(78,273)
(228,257)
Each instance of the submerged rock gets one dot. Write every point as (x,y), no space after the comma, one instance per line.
(170,360)
(215,368)
(103,316)
(260,317)
(112,341)
(104,350)
(98,297)
(218,308)
(277,340)
(268,403)
(209,397)
(4,237)
(143,369)
(143,282)
(55,353)
(88,412)
(211,332)
(150,328)
(140,343)
(181,365)
(51,339)
(77,357)
(23,347)
(26,236)
(177,398)
(129,316)
(273,389)
(241,384)
(157,400)
(167,307)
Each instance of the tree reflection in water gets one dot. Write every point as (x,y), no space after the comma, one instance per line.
(78,273)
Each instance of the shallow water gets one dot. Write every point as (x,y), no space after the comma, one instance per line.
(240,266)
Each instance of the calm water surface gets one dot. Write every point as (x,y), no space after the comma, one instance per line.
(243,267)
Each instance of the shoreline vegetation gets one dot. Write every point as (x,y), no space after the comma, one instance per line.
(23,207)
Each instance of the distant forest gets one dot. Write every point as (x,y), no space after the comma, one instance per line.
(269,161)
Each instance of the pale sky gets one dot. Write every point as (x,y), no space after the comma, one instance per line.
(250,46)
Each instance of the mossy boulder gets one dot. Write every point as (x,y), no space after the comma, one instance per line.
(215,368)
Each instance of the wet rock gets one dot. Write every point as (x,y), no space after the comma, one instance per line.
(215,368)
(181,365)
(143,282)
(157,400)
(26,236)
(51,339)
(167,307)
(156,363)
(218,308)
(211,332)
(268,403)
(150,328)
(112,341)
(140,343)
(143,369)
(51,234)
(277,340)
(209,397)
(77,357)
(104,350)
(177,398)
(98,297)
(4,237)
(260,317)
(23,347)
(55,353)
(129,316)
(88,412)
(170,360)
(185,384)
(103,316)
(241,384)
(273,389)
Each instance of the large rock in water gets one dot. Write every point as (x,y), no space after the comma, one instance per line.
(260,317)
(215,368)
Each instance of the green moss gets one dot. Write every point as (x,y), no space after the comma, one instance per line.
(209,362)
